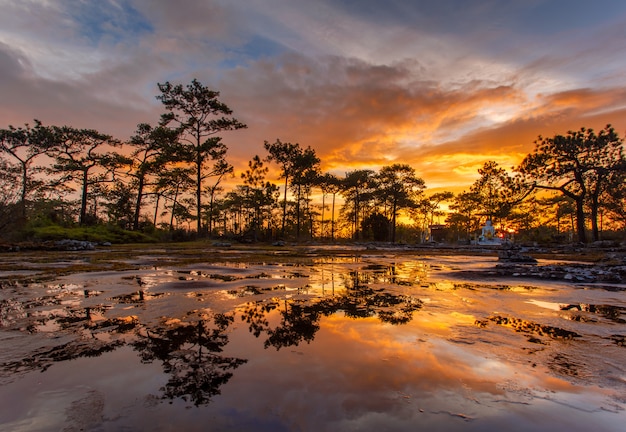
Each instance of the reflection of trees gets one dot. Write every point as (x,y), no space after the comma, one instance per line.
(299,319)
(86,344)
(397,274)
(189,354)
(42,358)
(361,301)
(188,351)
(299,322)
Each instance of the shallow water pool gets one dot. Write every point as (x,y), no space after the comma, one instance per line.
(361,342)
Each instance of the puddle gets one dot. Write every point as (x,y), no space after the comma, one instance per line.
(366,342)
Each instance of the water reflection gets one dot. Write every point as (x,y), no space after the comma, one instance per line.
(190,355)
(138,297)
(299,319)
(298,322)
(42,358)
(377,335)
(190,352)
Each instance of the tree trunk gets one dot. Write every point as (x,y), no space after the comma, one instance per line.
(332,223)
(23,195)
(298,214)
(356,217)
(308,210)
(174,209)
(156,209)
(199,192)
(322,221)
(284,207)
(595,233)
(580,221)
(138,203)
(83,200)
(210,219)
(393,222)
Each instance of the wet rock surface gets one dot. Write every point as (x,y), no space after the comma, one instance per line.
(576,273)
(515,256)
(564,264)
(58,245)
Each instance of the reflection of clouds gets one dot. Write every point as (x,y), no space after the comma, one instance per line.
(439,370)
(411,364)
(358,370)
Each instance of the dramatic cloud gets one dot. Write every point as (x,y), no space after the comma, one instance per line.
(443,86)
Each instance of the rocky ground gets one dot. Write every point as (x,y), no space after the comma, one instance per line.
(599,262)
(577,264)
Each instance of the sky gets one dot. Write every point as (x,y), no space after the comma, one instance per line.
(443,86)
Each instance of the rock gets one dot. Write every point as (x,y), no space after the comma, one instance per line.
(602,244)
(74,245)
(512,255)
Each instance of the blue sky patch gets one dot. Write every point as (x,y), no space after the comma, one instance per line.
(108,20)
(255,49)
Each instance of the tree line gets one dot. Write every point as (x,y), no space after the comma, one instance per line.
(171,176)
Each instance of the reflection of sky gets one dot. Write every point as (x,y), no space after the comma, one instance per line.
(361,374)
(441,370)
(355,375)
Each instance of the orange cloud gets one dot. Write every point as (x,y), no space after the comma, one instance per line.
(358,115)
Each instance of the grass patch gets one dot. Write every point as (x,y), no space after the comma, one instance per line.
(96,234)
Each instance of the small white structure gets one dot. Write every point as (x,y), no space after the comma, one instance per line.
(488,236)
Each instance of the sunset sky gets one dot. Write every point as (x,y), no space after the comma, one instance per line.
(441,85)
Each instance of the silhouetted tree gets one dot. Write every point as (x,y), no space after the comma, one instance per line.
(285,155)
(613,199)
(24,145)
(357,188)
(376,227)
(329,183)
(171,184)
(430,207)
(234,204)
(120,200)
(465,214)
(152,148)
(493,191)
(557,207)
(579,165)
(198,115)
(258,194)
(399,188)
(305,175)
(9,195)
(221,169)
(79,157)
